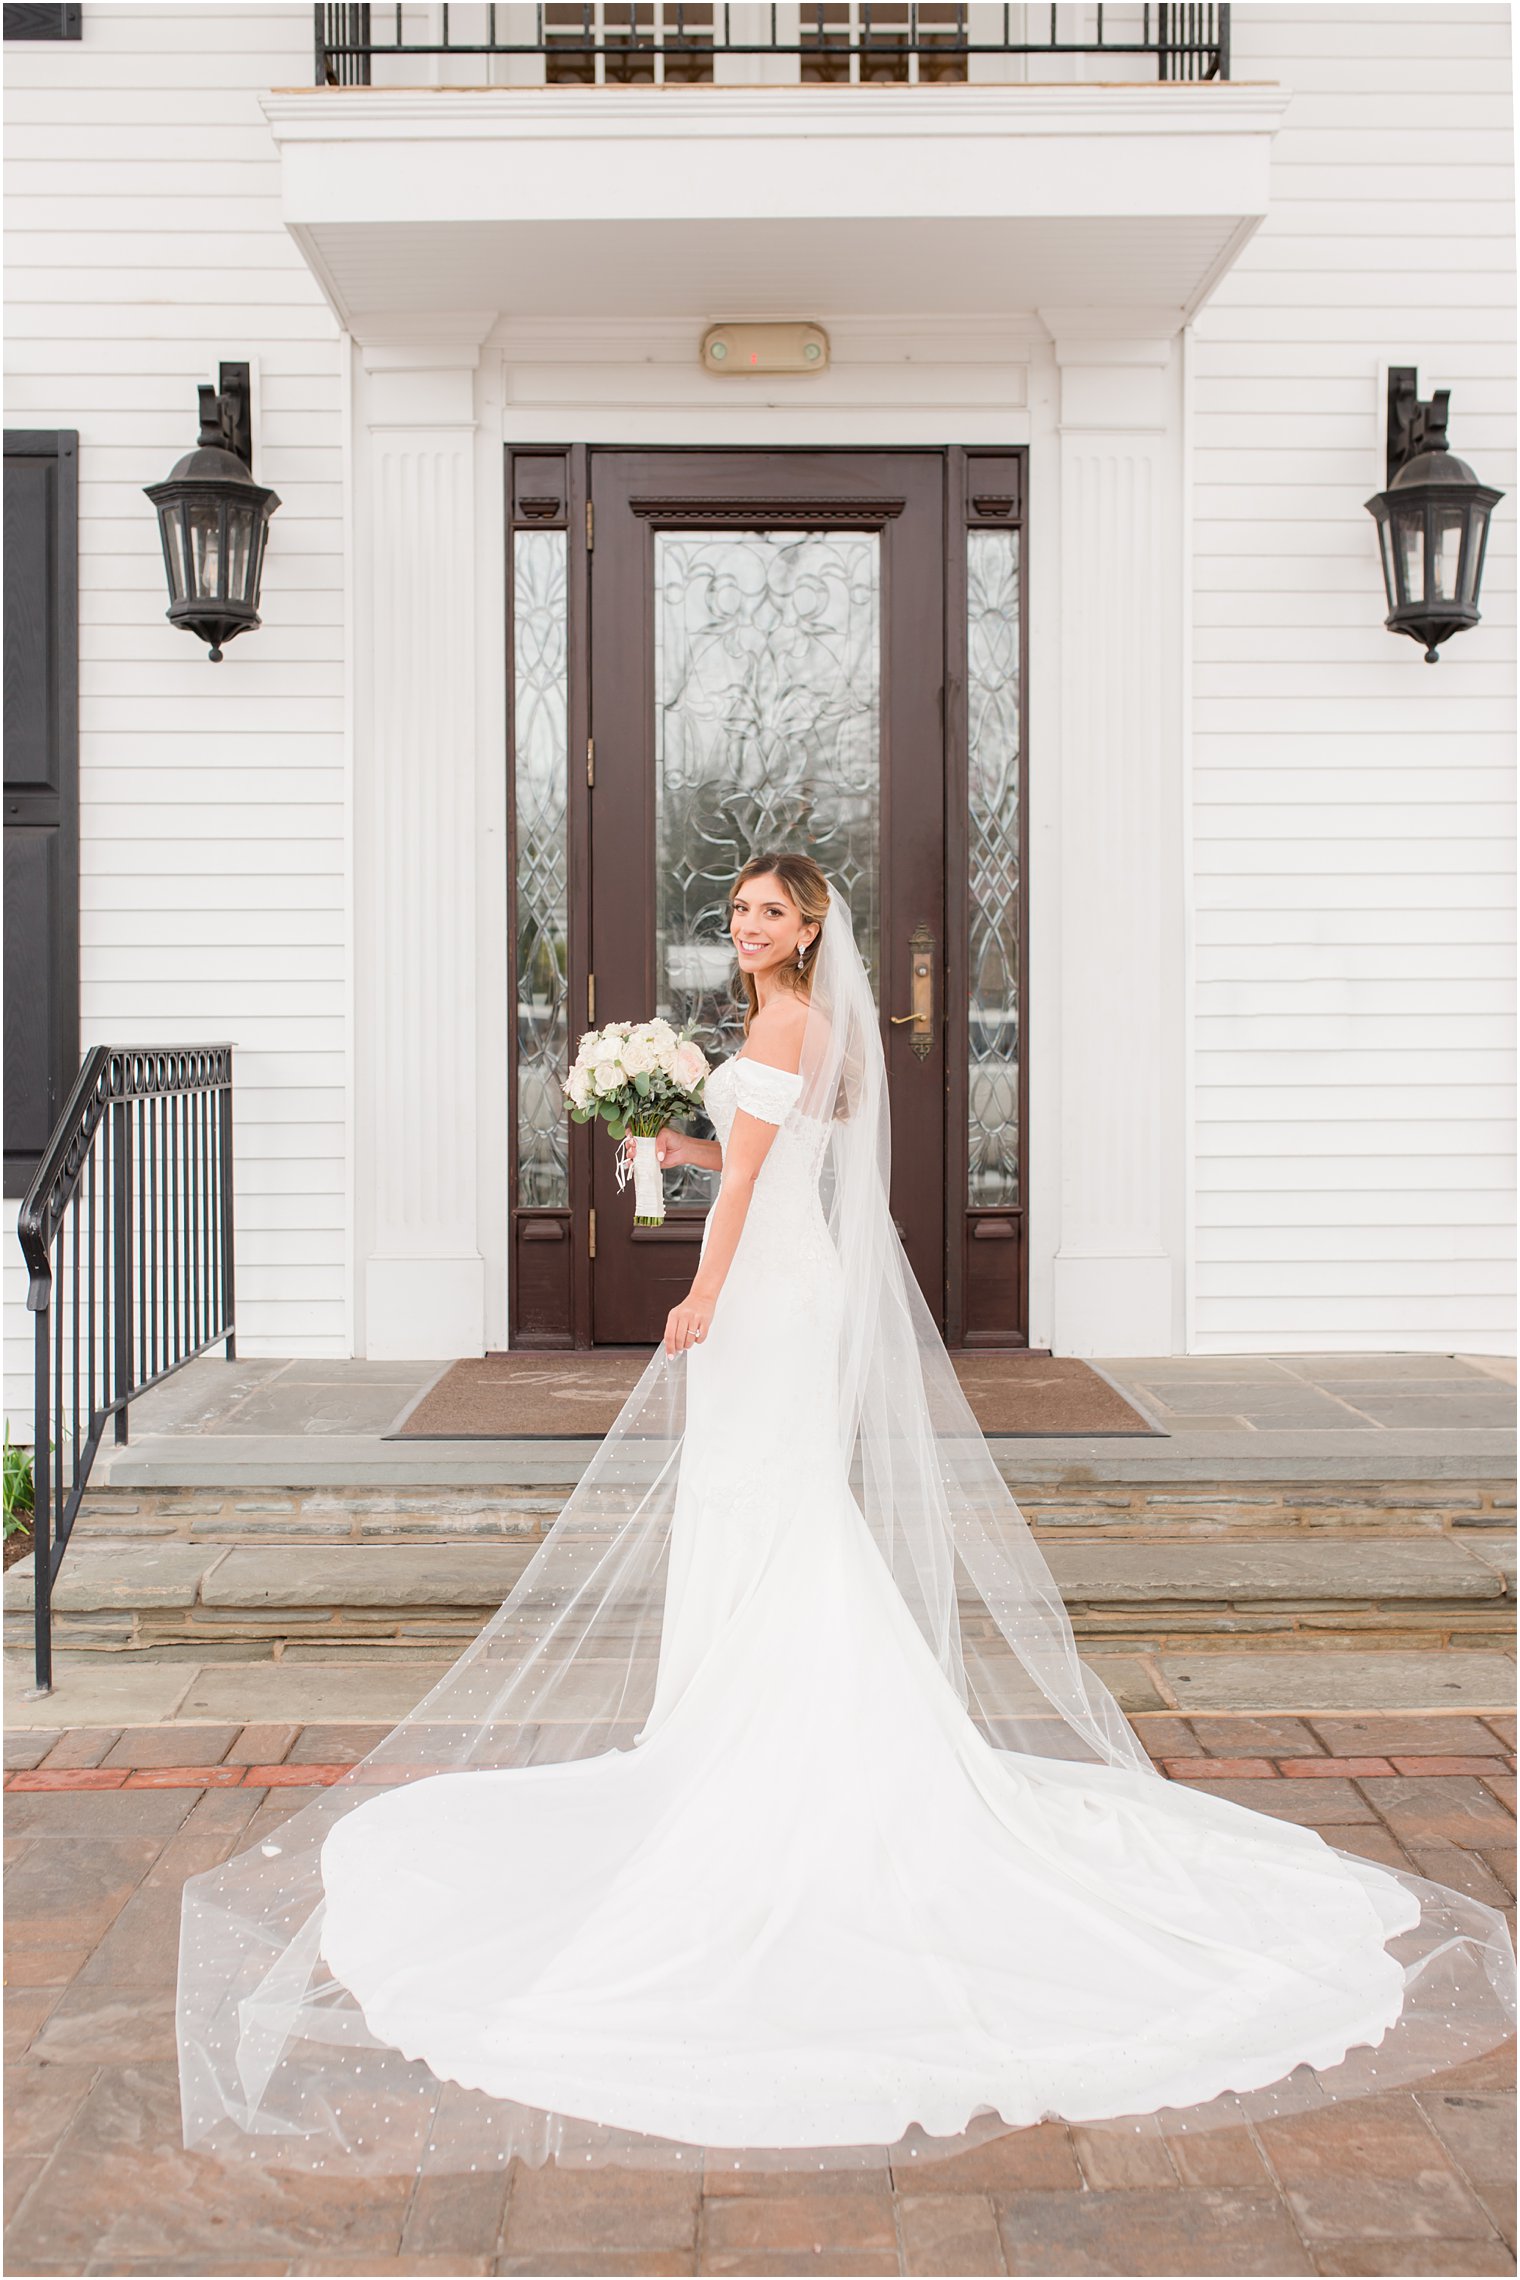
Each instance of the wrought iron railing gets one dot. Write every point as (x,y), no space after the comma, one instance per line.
(127,1235)
(592,41)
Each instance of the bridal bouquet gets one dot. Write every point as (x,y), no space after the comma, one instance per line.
(637,1075)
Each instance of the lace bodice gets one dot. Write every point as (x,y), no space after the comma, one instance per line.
(753,1086)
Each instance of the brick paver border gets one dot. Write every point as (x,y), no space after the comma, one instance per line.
(287,1776)
(1418,2179)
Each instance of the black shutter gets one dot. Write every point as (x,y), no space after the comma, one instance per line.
(26,22)
(41,790)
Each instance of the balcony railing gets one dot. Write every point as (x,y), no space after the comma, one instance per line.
(666,42)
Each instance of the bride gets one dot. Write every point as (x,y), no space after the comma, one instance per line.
(775,1810)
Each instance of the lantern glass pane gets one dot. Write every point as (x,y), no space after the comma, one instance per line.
(1447,551)
(1409,553)
(1472,568)
(239,552)
(1385,543)
(205,520)
(175,551)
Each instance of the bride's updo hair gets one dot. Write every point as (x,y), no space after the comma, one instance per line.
(809,890)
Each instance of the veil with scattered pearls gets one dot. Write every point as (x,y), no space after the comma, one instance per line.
(276,2059)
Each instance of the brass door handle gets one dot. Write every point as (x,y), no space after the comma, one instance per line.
(921,967)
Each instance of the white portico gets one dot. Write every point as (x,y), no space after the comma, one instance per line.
(995,266)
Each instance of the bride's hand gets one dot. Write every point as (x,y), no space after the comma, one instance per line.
(669,1148)
(688,1324)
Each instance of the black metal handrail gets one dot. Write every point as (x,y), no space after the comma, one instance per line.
(128,1239)
(1189,39)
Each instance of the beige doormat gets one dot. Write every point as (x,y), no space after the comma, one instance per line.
(572,1397)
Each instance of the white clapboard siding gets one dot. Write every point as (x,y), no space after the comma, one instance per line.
(1352,809)
(144,245)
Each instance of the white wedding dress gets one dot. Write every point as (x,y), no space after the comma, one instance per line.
(812,1904)
(804,1899)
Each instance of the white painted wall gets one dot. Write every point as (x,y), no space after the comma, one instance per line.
(1353,880)
(145,245)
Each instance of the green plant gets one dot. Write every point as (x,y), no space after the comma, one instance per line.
(20,1492)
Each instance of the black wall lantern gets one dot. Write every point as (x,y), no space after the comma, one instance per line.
(1432,520)
(213,519)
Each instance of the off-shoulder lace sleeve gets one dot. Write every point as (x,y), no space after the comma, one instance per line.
(764,1091)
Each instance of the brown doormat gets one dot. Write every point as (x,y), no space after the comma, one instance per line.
(573,1397)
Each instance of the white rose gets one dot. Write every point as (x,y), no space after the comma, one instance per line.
(606,1076)
(637,1056)
(690,1065)
(578,1086)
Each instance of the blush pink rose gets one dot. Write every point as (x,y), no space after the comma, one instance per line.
(691,1065)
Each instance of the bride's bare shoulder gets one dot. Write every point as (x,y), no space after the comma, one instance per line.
(775,1034)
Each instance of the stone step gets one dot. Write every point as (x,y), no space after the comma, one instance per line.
(203,1601)
(317,1458)
(521,1508)
(138,1690)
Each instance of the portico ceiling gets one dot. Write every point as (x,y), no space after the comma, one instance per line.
(702,269)
(714,201)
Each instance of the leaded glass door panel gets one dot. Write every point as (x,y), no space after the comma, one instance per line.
(767,733)
(767,669)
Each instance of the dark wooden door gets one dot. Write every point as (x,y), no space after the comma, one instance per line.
(767,652)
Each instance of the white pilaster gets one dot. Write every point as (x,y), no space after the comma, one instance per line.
(422,1279)
(1117,1273)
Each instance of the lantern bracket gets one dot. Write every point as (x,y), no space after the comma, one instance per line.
(1413,427)
(227,412)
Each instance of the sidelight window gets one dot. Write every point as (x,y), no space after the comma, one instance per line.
(992,678)
(540,711)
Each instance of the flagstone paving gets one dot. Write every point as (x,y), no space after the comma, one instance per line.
(105,1823)
(275,1424)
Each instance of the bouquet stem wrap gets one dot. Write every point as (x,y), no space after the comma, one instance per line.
(648,1181)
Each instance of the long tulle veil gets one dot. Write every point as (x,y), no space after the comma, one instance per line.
(275,2058)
